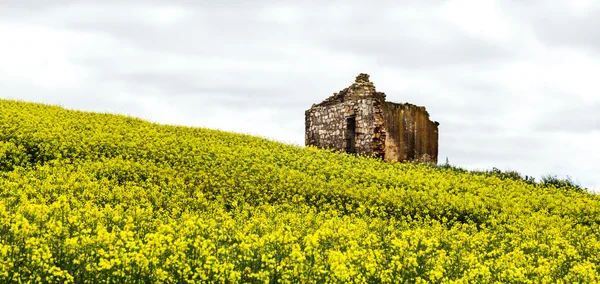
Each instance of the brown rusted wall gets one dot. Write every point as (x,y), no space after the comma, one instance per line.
(410,134)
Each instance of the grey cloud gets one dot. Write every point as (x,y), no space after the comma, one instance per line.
(32,5)
(407,51)
(565,30)
(461,105)
(238,32)
(553,24)
(581,118)
(209,28)
(230,88)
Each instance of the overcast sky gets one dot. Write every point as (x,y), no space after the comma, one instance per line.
(514,84)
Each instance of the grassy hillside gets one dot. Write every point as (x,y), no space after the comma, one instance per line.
(87,197)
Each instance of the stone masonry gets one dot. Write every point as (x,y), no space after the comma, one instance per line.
(359,120)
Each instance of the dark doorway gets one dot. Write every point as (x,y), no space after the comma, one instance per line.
(351,134)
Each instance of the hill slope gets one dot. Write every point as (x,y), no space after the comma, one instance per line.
(87,196)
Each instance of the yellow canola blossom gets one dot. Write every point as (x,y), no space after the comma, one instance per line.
(88,198)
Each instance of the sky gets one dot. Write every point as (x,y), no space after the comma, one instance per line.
(514,84)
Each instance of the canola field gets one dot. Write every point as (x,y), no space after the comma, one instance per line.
(101,198)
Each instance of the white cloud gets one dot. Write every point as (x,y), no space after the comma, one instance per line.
(36,55)
(481,18)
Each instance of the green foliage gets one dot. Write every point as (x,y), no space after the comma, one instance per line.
(546,180)
(88,197)
(555,181)
(512,175)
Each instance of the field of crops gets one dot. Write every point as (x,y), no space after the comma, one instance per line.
(88,197)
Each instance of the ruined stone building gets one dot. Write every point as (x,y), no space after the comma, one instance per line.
(359,120)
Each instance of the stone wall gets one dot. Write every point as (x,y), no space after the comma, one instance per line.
(388,130)
(380,129)
(326,125)
(410,134)
(326,122)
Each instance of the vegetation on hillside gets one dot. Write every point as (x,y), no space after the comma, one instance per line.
(545,181)
(88,197)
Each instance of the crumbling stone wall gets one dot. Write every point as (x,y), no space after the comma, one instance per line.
(326,125)
(383,129)
(411,135)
